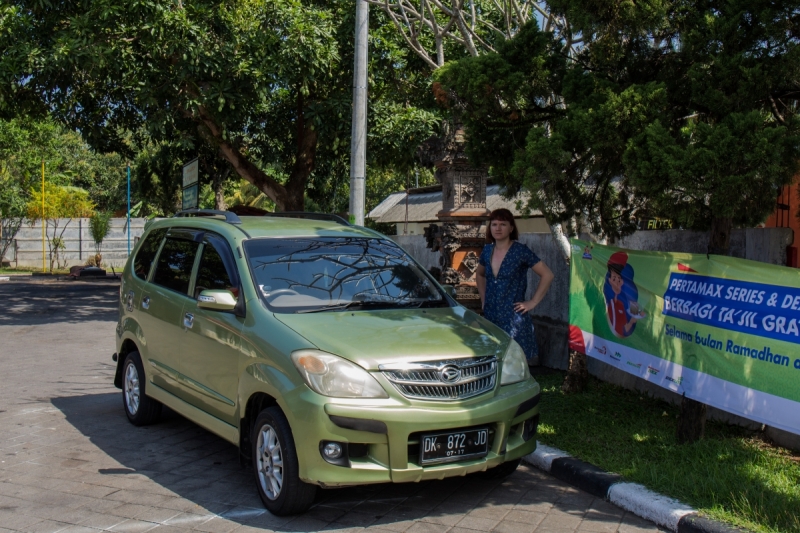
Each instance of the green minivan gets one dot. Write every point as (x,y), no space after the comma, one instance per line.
(322,350)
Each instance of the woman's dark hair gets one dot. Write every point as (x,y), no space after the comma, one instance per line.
(505,215)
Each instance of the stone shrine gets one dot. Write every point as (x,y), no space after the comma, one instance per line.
(462,233)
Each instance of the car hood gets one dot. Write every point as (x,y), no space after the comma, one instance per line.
(375,337)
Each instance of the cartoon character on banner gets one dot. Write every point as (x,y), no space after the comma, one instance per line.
(622,296)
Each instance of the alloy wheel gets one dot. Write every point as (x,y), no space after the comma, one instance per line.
(131,387)
(270,462)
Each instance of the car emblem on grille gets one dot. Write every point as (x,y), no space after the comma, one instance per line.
(450,374)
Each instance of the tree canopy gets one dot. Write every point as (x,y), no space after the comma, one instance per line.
(680,109)
(26,143)
(264,84)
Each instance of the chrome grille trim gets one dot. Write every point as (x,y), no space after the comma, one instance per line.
(423,380)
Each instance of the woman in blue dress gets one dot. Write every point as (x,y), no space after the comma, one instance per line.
(502,278)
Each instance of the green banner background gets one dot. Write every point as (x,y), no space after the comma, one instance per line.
(651,276)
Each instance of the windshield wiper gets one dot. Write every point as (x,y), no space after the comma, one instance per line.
(433,303)
(348,305)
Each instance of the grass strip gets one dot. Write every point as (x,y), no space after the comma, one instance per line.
(732,474)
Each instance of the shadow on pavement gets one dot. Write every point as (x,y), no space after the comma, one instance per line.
(28,301)
(189,462)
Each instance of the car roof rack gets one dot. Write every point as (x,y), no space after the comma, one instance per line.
(229,217)
(310,216)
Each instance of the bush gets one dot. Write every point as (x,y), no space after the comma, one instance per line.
(99,227)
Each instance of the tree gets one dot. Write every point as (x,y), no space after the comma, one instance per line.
(682,109)
(264,84)
(727,137)
(59,203)
(99,227)
(26,142)
(437,31)
(12,208)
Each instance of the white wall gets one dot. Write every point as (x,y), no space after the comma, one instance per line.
(27,249)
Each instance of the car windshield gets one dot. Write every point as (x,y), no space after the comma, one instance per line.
(306,275)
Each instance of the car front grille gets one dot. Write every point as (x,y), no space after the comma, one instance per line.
(452,379)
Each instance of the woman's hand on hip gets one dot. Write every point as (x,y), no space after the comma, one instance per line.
(524,307)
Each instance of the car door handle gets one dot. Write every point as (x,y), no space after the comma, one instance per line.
(146,302)
(188,320)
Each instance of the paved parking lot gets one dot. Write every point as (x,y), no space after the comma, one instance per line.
(71,462)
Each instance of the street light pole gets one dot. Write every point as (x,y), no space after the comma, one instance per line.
(129,208)
(44,267)
(358,141)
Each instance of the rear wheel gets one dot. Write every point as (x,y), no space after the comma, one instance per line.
(140,409)
(276,467)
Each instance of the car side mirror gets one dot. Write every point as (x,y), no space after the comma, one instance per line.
(218,300)
(450,290)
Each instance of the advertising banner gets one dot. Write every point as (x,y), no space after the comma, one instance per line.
(722,331)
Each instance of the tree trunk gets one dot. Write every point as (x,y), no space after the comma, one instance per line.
(719,242)
(219,188)
(301,170)
(287,198)
(304,160)
(577,375)
(692,420)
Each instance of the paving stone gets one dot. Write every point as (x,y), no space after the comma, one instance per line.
(428,527)
(79,529)
(217,525)
(101,521)
(478,524)
(392,523)
(525,517)
(17,520)
(133,526)
(46,526)
(161,528)
(507,526)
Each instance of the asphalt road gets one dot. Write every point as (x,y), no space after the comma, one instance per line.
(71,462)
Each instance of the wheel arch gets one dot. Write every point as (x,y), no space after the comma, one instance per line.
(127,347)
(257,402)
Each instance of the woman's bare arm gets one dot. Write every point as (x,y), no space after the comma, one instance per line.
(480,280)
(545,279)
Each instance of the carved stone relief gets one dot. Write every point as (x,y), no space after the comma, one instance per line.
(461,236)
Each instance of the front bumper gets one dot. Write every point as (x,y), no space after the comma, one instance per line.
(385,434)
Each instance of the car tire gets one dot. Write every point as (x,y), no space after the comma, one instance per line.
(504,470)
(276,467)
(140,409)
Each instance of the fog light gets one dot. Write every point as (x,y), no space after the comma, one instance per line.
(530,428)
(332,450)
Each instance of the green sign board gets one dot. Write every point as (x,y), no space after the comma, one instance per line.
(190,197)
(720,330)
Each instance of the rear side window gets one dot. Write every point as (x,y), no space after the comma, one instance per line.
(212,274)
(147,252)
(174,267)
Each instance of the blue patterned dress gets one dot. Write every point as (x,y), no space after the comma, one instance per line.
(508,287)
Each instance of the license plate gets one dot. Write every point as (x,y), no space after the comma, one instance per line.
(453,446)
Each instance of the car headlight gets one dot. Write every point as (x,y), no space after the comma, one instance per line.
(333,376)
(515,366)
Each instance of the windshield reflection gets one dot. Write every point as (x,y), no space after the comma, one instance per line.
(337,273)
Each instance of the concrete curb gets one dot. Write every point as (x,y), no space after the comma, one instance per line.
(635,498)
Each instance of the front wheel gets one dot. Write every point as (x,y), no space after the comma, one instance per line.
(276,467)
(140,409)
